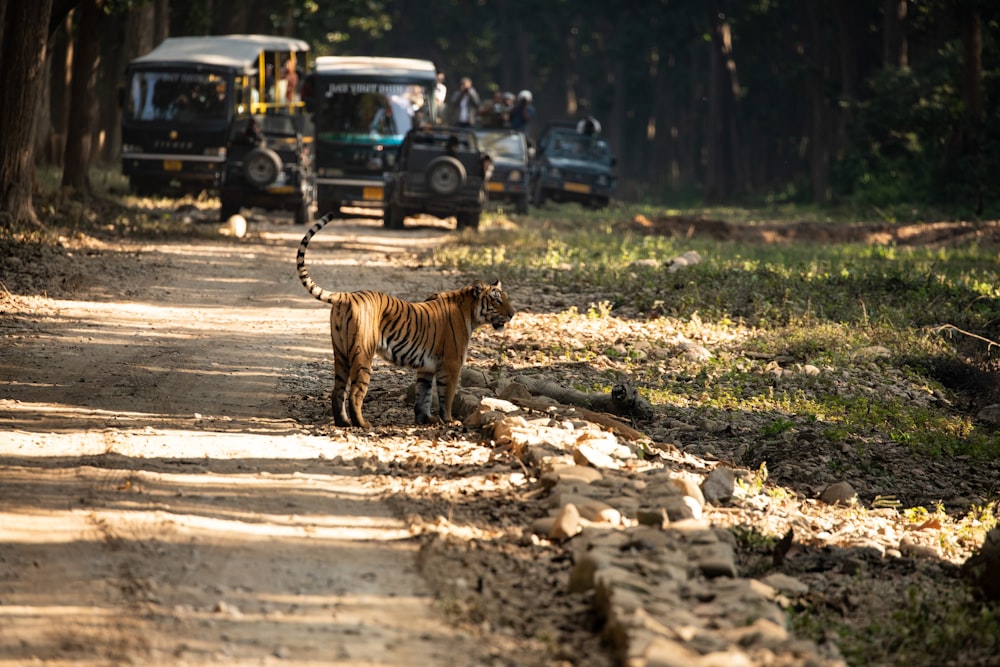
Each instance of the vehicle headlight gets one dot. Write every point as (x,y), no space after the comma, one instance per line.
(216,152)
(328,172)
(553,172)
(515,176)
(131,148)
(603,181)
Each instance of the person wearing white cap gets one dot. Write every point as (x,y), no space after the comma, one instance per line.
(523,112)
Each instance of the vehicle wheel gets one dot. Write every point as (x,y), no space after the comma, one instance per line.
(539,197)
(302,212)
(228,210)
(467,220)
(445,175)
(521,205)
(141,187)
(393,217)
(261,167)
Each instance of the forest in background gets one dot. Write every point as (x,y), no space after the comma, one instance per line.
(889,105)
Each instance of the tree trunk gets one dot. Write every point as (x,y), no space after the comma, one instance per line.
(726,165)
(894,41)
(52,126)
(817,107)
(233,17)
(25,37)
(3,20)
(972,63)
(83,97)
(161,23)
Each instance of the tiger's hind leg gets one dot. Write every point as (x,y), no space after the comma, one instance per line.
(361,375)
(424,398)
(339,395)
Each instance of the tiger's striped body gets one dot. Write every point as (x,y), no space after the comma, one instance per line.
(431,337)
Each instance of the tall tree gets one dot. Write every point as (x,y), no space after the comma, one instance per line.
(83,102)
(972,61)
(895,47)
(726,166)
(24,41)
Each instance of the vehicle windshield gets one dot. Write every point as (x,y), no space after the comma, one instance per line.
(502,145)
(362,111)
(574,146)
(177,96)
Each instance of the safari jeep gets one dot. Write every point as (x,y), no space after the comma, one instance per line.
(573,167)
(439,171)
(268,166)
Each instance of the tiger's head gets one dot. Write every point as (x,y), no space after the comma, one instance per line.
(493,307)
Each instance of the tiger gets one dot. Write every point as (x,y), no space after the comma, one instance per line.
(431,337)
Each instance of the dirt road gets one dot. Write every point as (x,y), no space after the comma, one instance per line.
(159,504)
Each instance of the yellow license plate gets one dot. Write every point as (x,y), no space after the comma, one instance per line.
(372,193)
(582,188)
(172,165)
(494,187)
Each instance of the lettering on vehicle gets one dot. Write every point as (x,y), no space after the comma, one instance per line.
(387,89)
(186,77)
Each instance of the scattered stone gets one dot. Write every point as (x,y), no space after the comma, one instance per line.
(690,258)
(983,567)
(236,226)
(663,652)
(570,473)
(473,377)
(514,390)
(786,584)
(839,493)
(716,560)
(689,487)
(567,523)
(693,351)
(587,454)
(914,550)
(719,486)
(652,516)
(990,414)
(581,577)
(645,264)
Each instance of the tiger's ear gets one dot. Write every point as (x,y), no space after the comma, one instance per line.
(497,285)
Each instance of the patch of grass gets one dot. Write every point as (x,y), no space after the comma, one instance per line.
(925,628)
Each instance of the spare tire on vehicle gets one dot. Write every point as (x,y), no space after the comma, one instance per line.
(261,167)
(445,175)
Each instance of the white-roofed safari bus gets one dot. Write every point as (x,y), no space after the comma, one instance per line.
(362,108)
(178,101)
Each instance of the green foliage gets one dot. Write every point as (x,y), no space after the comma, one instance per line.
(922,630)
(845,310)
(910,141)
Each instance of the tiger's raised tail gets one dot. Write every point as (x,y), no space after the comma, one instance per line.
(300,263)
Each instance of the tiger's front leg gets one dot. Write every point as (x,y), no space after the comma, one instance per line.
(447,381)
